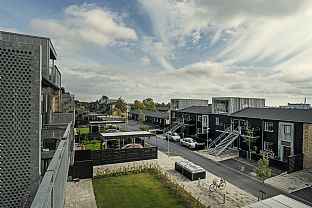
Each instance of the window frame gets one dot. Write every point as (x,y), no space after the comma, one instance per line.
(287,127)
(265,146)
(217,120)
(267,125)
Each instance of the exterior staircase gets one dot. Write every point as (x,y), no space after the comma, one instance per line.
(224,140)
(174,126)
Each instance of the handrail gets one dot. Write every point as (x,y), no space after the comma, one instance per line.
(228,130)
(51,190)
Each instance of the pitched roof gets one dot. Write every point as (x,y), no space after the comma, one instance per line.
(156,114)
(280,114)
(197,109)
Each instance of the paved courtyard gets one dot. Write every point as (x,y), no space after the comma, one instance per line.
(292,182)
(80,194)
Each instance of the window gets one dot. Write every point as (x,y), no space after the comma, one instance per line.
(268,146)
(287,129)
(199,118)
(268,126)
(186,117)
(173,115)
(217,121)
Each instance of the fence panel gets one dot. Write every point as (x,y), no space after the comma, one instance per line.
(295,163)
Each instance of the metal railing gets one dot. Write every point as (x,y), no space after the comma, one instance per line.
(51,192)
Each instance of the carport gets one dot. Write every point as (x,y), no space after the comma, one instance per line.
(120,137)
(95,126)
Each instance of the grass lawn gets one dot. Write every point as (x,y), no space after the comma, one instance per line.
(135,190)
(83,130)
(146,145)
(92,145)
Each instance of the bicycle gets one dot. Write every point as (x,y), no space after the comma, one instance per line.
(217,185)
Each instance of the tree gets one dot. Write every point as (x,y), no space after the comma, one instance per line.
(139,105)
(104,97)
(249,137)
(121,107)
(263,170)
(149,103)
(141,117)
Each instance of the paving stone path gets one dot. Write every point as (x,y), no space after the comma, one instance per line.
(80,194)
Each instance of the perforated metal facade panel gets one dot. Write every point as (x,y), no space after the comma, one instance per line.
(20,91)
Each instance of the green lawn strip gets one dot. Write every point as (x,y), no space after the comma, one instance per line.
(135,190)
(146,145)
(92,145)
(83,130)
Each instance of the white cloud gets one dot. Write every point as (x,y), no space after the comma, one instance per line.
(158,51)
(86,23)
(145,61)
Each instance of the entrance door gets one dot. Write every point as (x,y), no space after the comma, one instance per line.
(286,152)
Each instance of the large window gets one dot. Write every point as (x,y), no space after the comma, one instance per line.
(287,129)
(268,126)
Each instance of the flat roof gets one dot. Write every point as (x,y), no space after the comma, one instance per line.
(126,134)
(277,114)
(105,122)
(279,201)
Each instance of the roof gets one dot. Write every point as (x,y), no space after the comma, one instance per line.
(126,134)
(162,108)
(197,109)
(233,97)
(156,114)
(105,122)
(278,201)
(280,114)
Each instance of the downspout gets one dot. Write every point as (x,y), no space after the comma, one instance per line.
(262,142)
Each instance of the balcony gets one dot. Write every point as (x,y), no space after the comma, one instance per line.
(56,157)
(52,77)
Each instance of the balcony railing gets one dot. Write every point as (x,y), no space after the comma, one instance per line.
(53,75)
(51,191)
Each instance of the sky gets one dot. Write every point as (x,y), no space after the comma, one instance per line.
(175,48)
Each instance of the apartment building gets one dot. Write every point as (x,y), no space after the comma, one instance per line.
(178,104)
(30,102)
(228,105)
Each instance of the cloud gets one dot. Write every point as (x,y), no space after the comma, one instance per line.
(158,51)
(145,61)
(86,23)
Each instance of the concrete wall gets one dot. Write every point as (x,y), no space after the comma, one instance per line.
(20,121)
(307,146)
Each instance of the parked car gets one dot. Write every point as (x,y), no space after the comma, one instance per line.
(191,143)
(132,145)
(111,131)
(173,136)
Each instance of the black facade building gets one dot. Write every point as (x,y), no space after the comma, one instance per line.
(160,118)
